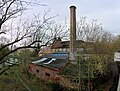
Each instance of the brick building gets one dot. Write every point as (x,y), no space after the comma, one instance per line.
(49,66)
(51,61)
(63,46)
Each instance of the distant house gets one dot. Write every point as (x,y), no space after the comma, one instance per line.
(63,46)
(45,50)
(49,66)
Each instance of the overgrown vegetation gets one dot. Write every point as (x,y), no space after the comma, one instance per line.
(11,80)
(96,71)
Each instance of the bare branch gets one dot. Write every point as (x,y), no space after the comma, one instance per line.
(4,16)
(28,46)
(2,33)
(33,3)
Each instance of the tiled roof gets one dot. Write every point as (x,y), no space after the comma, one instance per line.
(65,44)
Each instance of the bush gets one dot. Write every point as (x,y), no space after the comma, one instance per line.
(56,87)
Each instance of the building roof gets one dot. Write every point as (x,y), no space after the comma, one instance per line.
(58,55)
(56,60)
(65,44)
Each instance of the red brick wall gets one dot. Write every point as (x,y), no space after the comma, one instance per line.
(43,72)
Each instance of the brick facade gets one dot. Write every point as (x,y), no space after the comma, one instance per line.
(43,72)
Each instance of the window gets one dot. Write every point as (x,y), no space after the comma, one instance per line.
(60,49)
(37,70)
(64,49)
(54,50)
(29,67)
(47,74)
(68,49)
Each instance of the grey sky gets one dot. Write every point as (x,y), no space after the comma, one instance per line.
(106,11)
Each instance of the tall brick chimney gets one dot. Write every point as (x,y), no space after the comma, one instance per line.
(72,33)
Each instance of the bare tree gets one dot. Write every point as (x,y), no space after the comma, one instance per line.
(13,8)
(23,30)
(97,52)
(17,33)
(92,31)
(29,34)
(10,9)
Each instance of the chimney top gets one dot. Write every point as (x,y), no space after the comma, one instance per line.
(72,7)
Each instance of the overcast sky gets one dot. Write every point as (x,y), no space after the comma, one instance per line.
(106,12)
